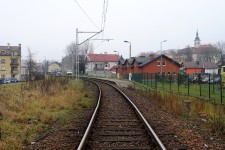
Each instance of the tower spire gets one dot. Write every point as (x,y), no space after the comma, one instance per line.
(197,40)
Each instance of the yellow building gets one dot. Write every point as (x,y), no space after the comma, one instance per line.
(10,61)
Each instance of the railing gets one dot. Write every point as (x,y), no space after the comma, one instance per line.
(14,72)
(14,64)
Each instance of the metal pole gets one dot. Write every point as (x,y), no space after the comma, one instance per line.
(130,50)
(77,46)
(221,89)
(209,86)
(161,59)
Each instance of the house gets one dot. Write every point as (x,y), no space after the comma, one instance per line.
(54,67)
(200,67)
(161,64)
(100,64)
(10,65)
(149,64)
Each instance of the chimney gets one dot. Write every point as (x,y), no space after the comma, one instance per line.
(8,44)
(152,56)
(19,45)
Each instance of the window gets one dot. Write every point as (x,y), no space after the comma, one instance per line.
(2,61)
(14,68)
(164,63)
(3,68)
(164,73)
(158,63)
(168,73)
(174,73)
(13,61)
(14,54)
(2,76)
(3,52)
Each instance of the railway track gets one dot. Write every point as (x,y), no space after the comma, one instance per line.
(118,124)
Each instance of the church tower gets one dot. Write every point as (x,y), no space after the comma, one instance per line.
(197,40)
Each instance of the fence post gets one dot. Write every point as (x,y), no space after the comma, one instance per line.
(200,85)
(209,86)
(221,90)
(147,78)
(188,84)
(178,82)
(162,81)
(151,79)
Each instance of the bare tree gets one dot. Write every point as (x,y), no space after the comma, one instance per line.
(145,53)
(221,48)
(188,52)
(71,51)
(31,70)
(85,48)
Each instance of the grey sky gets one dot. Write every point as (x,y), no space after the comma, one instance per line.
(48,26)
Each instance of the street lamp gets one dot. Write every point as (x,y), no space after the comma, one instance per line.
(130,47)
(130,74)
(116,52)
(161,55)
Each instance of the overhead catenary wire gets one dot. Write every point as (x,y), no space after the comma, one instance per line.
(87,15)
(104,13)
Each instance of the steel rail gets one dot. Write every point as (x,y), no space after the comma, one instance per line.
(149,128)
(88,130)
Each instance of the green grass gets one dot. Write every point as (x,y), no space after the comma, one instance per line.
(171,101)
(214,94)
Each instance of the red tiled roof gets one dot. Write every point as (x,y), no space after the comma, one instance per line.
(103,57)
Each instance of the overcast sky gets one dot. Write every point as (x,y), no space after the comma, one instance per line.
(48,26)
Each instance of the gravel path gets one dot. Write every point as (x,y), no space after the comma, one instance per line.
(192,137)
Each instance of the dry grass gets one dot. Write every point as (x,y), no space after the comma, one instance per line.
(200,109)
(29,111)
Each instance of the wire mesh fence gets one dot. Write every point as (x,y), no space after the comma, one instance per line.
(205,86)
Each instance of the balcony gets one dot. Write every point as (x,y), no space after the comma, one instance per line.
(14,56)
(14,72)
(14,64)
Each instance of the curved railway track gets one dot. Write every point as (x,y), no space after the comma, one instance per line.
(118,124)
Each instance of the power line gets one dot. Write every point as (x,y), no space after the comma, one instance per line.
(86,15)
(104,13)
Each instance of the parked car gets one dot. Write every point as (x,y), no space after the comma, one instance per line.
(205,80)
(14,80)
(7,81)
(1,81)
(216,80)
(195,79)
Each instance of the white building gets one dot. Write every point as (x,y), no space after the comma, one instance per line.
(100,64)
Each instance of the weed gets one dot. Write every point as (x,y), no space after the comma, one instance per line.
(28,108)
(218,125)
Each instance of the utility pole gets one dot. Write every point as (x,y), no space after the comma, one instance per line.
(77,51)
(77,55)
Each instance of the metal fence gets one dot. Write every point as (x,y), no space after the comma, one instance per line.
(205,86)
